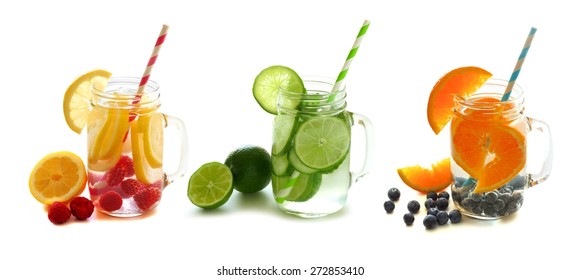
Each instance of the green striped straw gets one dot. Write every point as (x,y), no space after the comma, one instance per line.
(508,90)
(335,88)
(349,58)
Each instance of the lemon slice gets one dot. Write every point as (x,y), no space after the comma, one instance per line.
(152,128)
(58,176)
(143,170)
(78,96)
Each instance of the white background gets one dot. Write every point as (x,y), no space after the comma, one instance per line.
(206,68)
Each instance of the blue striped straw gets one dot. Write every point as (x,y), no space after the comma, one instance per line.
(508,91)
(518,66)
(349,58)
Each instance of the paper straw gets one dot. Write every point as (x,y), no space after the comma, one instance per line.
(338,82)
(349,58)
(506,96)
(151,63)
(147,73)
(518,66)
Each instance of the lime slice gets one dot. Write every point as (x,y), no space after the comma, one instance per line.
(210,186)
(268,83)
(322,143)
(305,187)
(281,165)
(298,165)
(284,126)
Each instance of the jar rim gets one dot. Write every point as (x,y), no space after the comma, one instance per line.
(121,92)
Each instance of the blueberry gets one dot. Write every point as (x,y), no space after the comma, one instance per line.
(409,218)
(442,217)
(518,182)
(442,203)
(499,204)
(456,196)
(430,203)
(488,210)
(455,216)
(491,197)
(394,194)
(443,194)
(468,203)
(518,197)
(432,195)
(505,197)
(432,211)
(389,206)
(413,206)
(476,196)
(430,221)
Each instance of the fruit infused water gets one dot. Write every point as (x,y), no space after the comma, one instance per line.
(489,152)
(311,149)
(125,148)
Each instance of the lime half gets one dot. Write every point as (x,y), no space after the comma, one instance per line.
(268,83)
(322,143)
(210,186)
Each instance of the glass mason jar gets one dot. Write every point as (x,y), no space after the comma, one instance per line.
(489,152)
(125,147)
(311,149)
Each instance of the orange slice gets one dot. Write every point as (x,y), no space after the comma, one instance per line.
(493,154)
(462,81)
(58,176)
(422,179)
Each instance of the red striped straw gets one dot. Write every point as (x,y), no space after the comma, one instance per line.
(151,63)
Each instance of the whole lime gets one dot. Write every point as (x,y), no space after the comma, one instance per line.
(251,167)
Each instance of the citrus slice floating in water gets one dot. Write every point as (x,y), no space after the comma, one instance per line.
(493,154)
(58,176)
(78,96)
(322,143)
(427,179)
(461,81)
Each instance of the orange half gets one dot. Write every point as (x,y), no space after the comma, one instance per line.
(492,154)
(462,81)
(427,179)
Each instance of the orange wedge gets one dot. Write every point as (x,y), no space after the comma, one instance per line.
(493,153)
(422,179)
(462,81)
(59,177)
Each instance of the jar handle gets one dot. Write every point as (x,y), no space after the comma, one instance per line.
(369,146)
(544,129)
(183,158)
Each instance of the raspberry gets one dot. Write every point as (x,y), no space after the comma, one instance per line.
(147,197)
(127,163)
(116,175)
(111,201)
(157,184)
(81,207)
(131,186)
(58,213)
